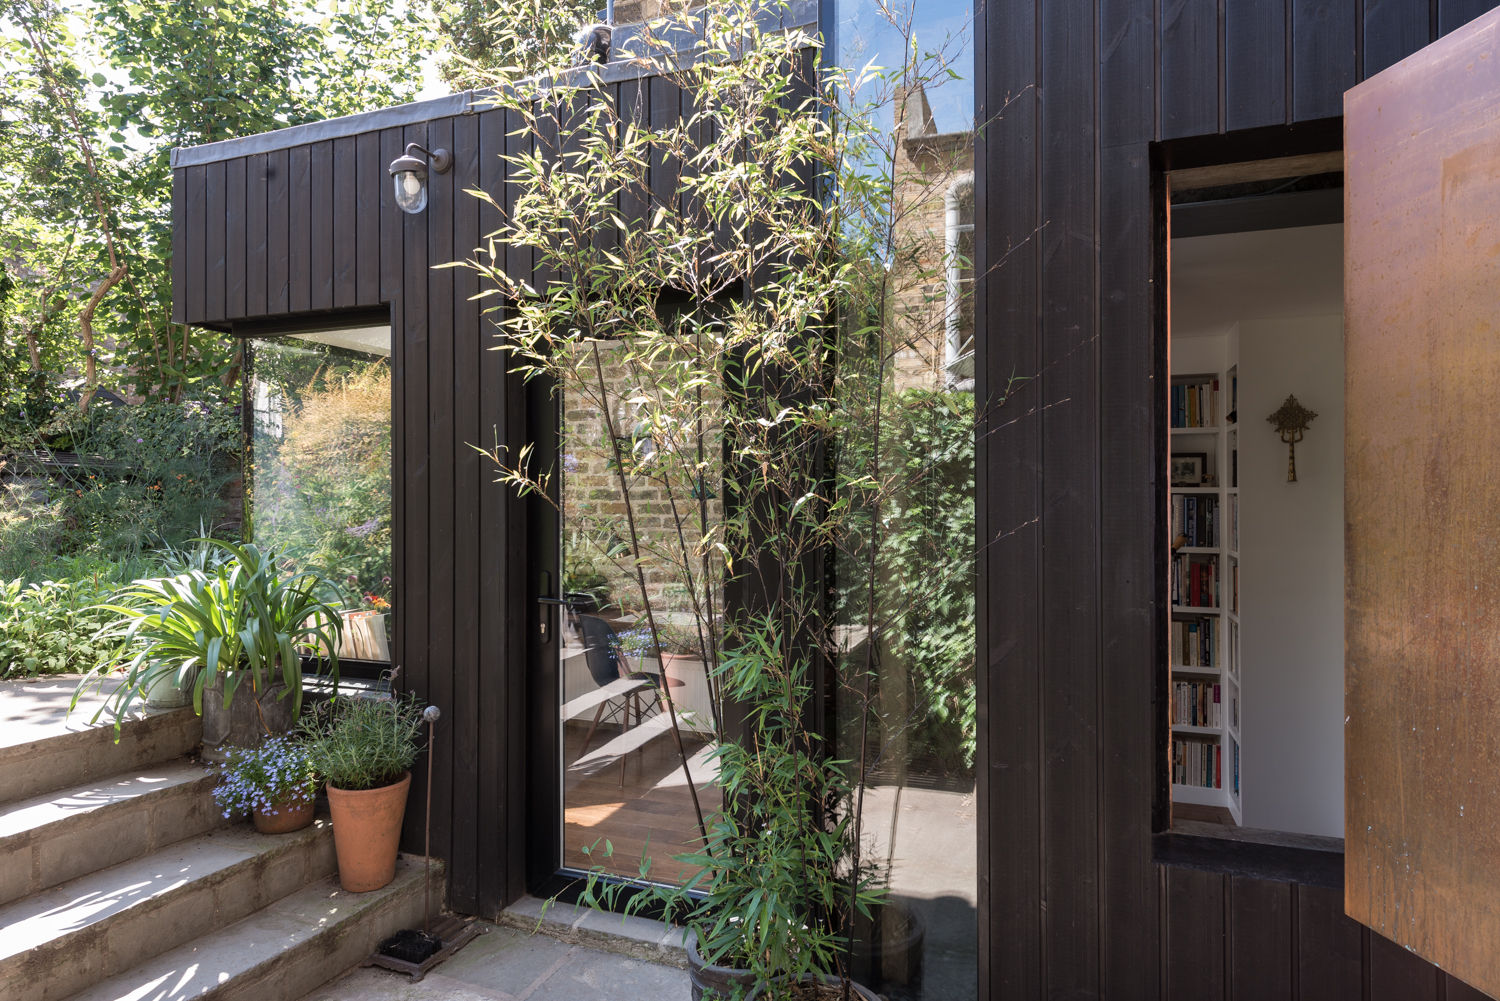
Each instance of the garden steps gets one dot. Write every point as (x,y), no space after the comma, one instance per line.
(56,836)
(44,747)
(62,940)
(283,950)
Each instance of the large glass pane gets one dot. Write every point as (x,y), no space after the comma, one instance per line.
(319,467)
(638,719)
(906,694)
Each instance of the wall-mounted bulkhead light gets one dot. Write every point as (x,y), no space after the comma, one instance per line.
(409,175)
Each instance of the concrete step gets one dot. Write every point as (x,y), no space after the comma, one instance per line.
(282,951)
(43,747)
(61,940)
(54,837)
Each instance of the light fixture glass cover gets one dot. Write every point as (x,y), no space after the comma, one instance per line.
(411,190)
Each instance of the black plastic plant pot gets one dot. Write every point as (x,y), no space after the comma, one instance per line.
(760,993)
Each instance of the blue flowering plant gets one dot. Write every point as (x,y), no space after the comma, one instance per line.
(278,775)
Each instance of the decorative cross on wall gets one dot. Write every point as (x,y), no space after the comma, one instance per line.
(1290,422)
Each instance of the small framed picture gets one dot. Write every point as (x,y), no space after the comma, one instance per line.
(1187,468)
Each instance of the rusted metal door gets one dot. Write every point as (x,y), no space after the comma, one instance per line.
(1422,495)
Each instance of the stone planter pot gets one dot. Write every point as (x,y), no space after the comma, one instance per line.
(710,981)
(367,832)
(289,817)
(165,693)
(247,722)
(833,983)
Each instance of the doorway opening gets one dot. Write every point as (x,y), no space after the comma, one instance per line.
(1254,571)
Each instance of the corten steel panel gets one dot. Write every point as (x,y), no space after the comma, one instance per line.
(1422,274)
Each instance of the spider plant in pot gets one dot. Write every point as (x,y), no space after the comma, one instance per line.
(274,783)
(237,630)
(363,748)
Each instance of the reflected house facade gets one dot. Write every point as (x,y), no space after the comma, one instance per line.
(1041,861)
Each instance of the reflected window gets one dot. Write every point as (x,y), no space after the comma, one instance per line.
(318,468)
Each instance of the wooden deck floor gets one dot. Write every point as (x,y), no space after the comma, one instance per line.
(651,815)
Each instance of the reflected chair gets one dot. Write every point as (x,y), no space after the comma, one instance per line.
(606,664)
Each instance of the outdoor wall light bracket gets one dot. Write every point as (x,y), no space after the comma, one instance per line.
(409,175)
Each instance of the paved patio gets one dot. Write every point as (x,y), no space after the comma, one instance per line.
(507,964)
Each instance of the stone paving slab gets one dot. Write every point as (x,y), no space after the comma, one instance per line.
(507,964)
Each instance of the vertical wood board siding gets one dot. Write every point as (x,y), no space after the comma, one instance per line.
(1074,94)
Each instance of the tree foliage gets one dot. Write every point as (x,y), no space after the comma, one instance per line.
(93,98)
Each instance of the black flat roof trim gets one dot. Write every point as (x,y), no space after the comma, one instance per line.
(801,14)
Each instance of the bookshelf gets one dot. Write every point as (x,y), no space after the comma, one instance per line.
(1203,577)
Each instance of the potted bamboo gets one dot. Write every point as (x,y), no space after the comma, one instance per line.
(363,748)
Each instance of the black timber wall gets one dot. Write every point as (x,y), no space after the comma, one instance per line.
(303,231)
(299,232)
(1079,98)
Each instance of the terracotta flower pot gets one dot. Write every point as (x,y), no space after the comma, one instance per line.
(366,833)
(288,817)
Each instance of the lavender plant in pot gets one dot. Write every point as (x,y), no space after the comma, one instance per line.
(363,747)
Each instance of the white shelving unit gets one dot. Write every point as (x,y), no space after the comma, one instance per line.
(1204,580)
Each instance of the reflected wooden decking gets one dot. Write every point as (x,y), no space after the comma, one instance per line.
(651,814)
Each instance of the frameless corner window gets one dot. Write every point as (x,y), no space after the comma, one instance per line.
(318,468)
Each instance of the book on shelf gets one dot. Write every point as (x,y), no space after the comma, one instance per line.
(1194,642)
(1197,703)
(1195,404)
(1199,763)
(1196,518)
(1195,580)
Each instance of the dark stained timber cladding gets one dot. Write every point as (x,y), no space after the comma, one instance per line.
(1254,63)
(213,242)
(1329,960)
(1128,622)
(1454,14)
(1398,975)
(179,245)
(416,464)
(1008,457)
(1067,380)
(234,238)
(517,596)
(196,228)
(1196,934)
(278,232)
(1394,29)
(467,614)
(1189,68)
(392,225)
(345,201)
(1127,38)
(1456,990)
(1322,57)
(299,226)
(320,222)
(255,235)
(370,177)
(442,442)
(491,693)
(1260,938)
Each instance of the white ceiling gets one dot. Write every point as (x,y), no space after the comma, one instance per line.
(1217,281)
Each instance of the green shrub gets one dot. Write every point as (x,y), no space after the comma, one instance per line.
(54,627)
(148,473)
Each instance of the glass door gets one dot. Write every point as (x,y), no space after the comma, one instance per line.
(633,608)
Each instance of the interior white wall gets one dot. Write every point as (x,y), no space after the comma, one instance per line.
(1292,579)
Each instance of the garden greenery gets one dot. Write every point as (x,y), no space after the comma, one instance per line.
(267,778)
(735,330)
(359,742)
(247,619)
